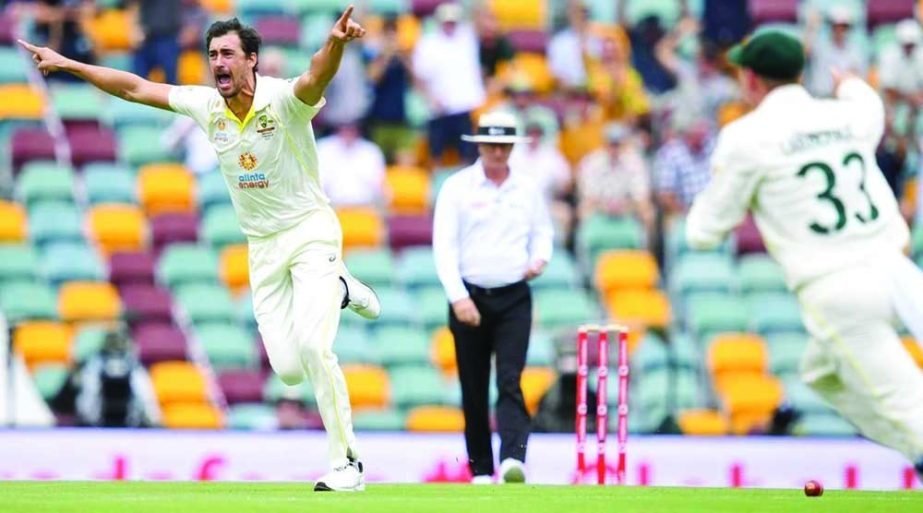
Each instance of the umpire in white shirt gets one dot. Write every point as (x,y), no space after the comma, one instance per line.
(492,234)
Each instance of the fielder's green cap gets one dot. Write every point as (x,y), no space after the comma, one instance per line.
(771,54)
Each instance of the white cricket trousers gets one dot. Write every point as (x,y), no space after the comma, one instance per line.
(295,278)
(855,359)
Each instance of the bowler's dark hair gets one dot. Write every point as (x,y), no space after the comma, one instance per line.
(250,39)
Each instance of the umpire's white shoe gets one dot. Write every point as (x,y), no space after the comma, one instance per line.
(512,471)
(348,478)
(360,298)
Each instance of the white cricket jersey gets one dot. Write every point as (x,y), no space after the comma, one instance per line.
(806,168)
(269,160)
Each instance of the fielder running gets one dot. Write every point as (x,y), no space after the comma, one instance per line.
(260,128)
(806,168)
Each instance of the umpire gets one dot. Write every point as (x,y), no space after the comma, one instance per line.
(492,234)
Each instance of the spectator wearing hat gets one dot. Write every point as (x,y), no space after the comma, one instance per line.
(900,69)
(491,234)
(550,171)
(681,166)
(615,82)
(448,74)
(352,169)
(834,49)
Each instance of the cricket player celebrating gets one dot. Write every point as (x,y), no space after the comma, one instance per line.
(260,128)
(806,168)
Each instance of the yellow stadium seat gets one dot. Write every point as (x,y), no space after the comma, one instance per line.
(645,307)
(20,102)
(737,352)
(41,342)
(166,188)
(178,382)
(110,30)
(118,227)
(191,68)
(409,189)
(368,386)
(218,6)
(192,416)
(443,351)
(730,111)
(749,398)
(535,382)
(582,136)
(533,66)
(13,225)
(520,14)
(916,352)
(235,271)
(408,32)
(703,423)
(81,301)
(445,419)
(626,269)
(362,227)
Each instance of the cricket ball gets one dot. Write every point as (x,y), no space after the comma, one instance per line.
(813,489)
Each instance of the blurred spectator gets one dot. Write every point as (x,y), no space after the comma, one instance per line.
(447,70)
(615,180)
(832,50)
(185,137)
(194,19)
(616,83)
(114,390)
(900,69)
(582,129)
(352,169)
(567,48)
(523,104)
(550,171)
(158,23)
(493,47)
(390,75)
(645,36)
(348,95)
(272,63)
(681,165)
(725,22)
(58,24)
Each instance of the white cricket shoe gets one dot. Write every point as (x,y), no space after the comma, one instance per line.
(512,471)
(482,480)
(360,298)
(348,478)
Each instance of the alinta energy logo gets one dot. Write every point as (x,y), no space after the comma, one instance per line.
(250,180)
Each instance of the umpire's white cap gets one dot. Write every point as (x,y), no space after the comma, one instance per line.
(496,128)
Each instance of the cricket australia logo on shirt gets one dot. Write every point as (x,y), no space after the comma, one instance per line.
(267,126)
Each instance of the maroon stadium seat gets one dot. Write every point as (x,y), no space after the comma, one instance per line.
(423,8)
(279,30)
(7,27)
(91,144)
(173,227)
(242,386)
(764,11)
(748,238)
(158,342)
(264,356)
(406,231)
(31,144)
(127,268)
(888,11)
(146,303)
(534,41)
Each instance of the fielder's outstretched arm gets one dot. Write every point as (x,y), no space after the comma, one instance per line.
(310,86)
(127,86)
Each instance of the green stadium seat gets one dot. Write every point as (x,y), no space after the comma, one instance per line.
(53,221)
(785,352)
(88,342)
(710,313)
(244,309)
(109,183)
(252,417)
(800,397)
(677,246)
(118,60)
(401,345)
(379,420)
(401,308)
(18,262)
(418,113)
(561,272)
(760,273)
(916,241)
(651,356)
(439,177)
(45,181)
(665,389)
(317,6)
(228,347)
(684,352)
(66,261)
(251,9)
(667,11)
(275,390)
(49,380)
(824,425)
(352,345)
(599,233)
(185,263)
(433,308)
(313,31)
(389,6)
(774,312)
(13,66)
(558,308)
(541,349)
(28,300)
(702,272)
(373,266)
(77,102)
(298,60)
(206,303)
(416,386)
(220,227)
(123,114)
(212,190)
(140,145)
(417,268)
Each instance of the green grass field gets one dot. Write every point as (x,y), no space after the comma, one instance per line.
(144,497)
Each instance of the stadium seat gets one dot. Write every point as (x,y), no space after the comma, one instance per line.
(13,224)
(685,353)
(433,307)
(220,227)
(373,266)
(734,353)
(416,268)
(91,144)
(110,30)
(145,302)
(178,382)
(192,416)
(401,345)
(640,307)
(626,269)
(750,400)
(228,347)
(159,341)
(651,355)
(279,30)
(140,145)
(212,191)
(136,267)
(406,231)
(191,68)
(564,308)
(244,308)
(173,227)
(41,342)
(12,67)
(235,271)
(25,300)
(702,272)
(785,352)
(402,310)
(252,417)
(166,188)
(541,349)
(45,181)
(703,423)
(760,273)
(880,12)
(89,301)
(205,303)
(668,12)
(18,262)
(534,66)
(379,420)
(535,382)
(599,233)
(28,144)
(218,6)
(87,342)
(774,312)
(415,386)
(361,228)
(766,11)
(77,102)
(118,227)
(823,424)
(71,262)
(353,346)
(187,263)
(516,14)
(20,102)
(443,351)
(109,183)
(368,386)
(53,221)
(275,390)
(561,272)
(408,189)
(49,379)
(709,313)
(748,238)
(443,419)
(122,114)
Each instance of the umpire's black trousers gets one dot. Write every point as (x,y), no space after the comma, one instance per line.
(506,321)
